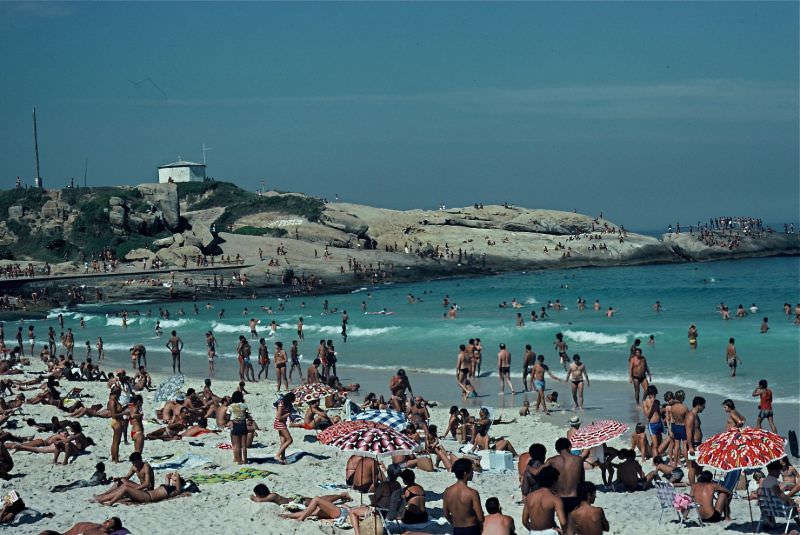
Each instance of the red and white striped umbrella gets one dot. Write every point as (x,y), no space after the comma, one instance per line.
(377,440)
(342,428)
(311,392)
(741,448)
(597,433)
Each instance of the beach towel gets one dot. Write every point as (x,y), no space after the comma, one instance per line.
(225,446)
(242,474)
(29,516)
(332,486)
(184,462)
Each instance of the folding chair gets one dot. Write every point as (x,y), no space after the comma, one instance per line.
(774,508)
(666,496)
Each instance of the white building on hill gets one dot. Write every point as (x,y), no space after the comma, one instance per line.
(181,171)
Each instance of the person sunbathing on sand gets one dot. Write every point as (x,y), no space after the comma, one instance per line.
(172,486)
(325,510)
(262,494)
(71,445)
(112,525)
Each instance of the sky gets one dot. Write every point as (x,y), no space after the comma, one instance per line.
(652,113)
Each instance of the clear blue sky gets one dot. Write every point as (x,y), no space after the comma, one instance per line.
(650,112)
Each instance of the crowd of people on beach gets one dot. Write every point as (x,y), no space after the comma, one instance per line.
(556,495)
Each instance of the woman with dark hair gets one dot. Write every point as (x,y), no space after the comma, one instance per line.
(414,497)
(282,412)
(388,493)
(237,410)
(171,488)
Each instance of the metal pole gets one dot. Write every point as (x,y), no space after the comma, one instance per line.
(37,180)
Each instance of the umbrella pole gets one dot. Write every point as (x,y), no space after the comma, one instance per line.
(749,501)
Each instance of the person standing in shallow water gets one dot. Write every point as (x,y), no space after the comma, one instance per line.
(175,346)
(692,335)
(731,357)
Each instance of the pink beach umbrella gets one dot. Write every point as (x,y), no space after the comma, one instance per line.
(311,392)
(597,433)
(375,441)
(342,428)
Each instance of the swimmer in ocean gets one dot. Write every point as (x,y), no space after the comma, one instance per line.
(693,336)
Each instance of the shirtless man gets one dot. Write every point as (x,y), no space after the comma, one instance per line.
(694,432)
(651,408)
(571,474)
(469,352)
(638,373)
(462,365)
(735,420)
(679,411)
(495,522)
(587,519)
(143,472)
(262,494)
(504,369)
(528,360)
(175,346)
(461,505)
(537,376)
(703,491)
(731,357)
(576,373)
(561,349)
(279,356)
(112,525)
(543,505)
(692,335)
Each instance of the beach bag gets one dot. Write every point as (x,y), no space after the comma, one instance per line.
(682,502)
(371,524)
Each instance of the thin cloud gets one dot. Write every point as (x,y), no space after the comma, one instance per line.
(715,99)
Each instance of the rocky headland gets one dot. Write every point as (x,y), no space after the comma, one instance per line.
(161,240)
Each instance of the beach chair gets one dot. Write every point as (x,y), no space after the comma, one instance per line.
(774,509)
(666,496)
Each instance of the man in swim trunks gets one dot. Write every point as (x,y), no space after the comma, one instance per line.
(764,405)
(461,505)
(175,346)
(504,369)
(575,376)
(561,348)
(528,360)
(694,433)
(462,365)
(651,408)
(692,336)
(638,373)
(543,505)
(571,474)
(537,374)
(731,357)
(703,491)
(679,411)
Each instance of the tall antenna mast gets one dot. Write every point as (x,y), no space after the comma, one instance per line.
(38,180)
(205,149)
(85,170)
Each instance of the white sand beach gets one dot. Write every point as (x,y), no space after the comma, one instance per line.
(225,507)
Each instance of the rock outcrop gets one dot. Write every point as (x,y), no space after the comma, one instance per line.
(165,198)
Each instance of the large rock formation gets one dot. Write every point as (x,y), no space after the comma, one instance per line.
(165,198)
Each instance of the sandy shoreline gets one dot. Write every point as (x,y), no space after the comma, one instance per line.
(225,507)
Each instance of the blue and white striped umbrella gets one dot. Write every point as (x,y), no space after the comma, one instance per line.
(395,420)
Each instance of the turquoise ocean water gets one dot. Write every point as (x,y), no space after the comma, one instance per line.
(417,337)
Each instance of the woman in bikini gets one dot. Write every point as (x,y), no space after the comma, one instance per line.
(414,497)
(237,410)
(171,488)
(282,412)
(117,413)
(137,426)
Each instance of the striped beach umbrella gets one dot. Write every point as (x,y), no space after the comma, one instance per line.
(168,388)
(597,433)
(342,428)
(310,392)
(740,448)
(375,441)
(396,420)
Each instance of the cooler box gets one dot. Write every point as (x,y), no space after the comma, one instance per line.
(497,461)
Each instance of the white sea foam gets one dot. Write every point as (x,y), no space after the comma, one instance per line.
(531,301)
(227,328)
(117,321)
(351,330)
(591,337)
